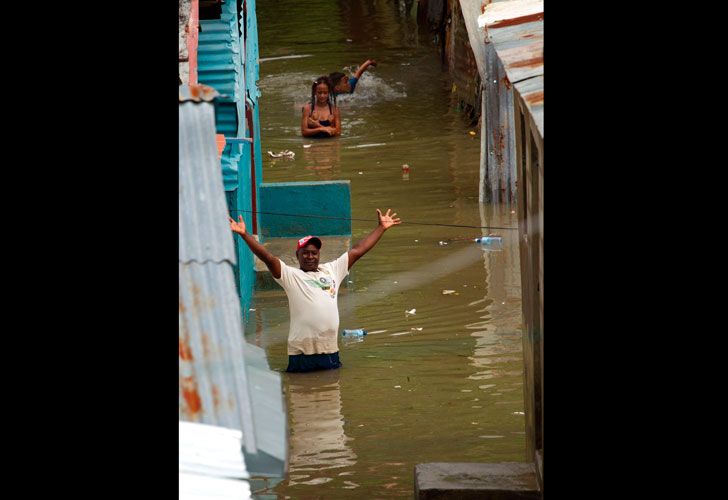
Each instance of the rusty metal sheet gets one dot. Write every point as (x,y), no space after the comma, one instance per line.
(212,376)
(500,150)
(502,14)
(197,93)
(515,28)
(531,91)
(520,48)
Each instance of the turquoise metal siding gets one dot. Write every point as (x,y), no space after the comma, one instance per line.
(243,206)
(327,199)
(219,57)
(257,157)
(230,65)
(220,65)
(226,119)
(252,67)
(247,168)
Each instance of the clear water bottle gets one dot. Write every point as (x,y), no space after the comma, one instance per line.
(490,242)
(359,332)
(353,336)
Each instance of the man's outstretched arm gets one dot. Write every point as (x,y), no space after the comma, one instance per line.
(367,243)
(270,260)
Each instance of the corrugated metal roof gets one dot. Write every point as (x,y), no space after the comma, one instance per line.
(212,450)
(204,230)
(269,415)
(202,487)
(516,30)
(520,49)
(500,14)
(211,463)
(213,379)
(215,385)
(531,91)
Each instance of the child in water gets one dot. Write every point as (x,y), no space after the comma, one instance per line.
(344,85)
(321,116)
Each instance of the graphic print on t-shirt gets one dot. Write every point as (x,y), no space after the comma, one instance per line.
(324,283)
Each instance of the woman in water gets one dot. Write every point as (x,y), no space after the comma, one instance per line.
(320,116)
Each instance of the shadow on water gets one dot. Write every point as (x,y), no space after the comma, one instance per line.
(442,383)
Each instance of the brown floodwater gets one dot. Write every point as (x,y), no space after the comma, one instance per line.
(444,384)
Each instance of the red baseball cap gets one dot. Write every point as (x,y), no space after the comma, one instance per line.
(314,240)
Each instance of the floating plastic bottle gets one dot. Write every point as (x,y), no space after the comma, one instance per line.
(359,332)
(353,336)
(490,242)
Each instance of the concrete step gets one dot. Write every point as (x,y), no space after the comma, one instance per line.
(483,481)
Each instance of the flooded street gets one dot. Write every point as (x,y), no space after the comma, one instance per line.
(441,383)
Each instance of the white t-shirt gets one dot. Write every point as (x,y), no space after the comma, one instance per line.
(313,305)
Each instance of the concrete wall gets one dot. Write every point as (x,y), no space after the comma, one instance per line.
(326,199)
(184,18)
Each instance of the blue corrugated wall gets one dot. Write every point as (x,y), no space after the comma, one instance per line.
(246,167)
(224,65)
(220,65)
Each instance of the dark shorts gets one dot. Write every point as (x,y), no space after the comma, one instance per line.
(312,362)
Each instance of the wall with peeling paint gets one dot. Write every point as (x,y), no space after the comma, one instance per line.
(184,65)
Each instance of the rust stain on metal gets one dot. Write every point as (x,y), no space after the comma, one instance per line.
(534,61)
(499,142)
(190,395)
(205,345)
(503,23)
(534,98)
(506,82)
(197,91)
(185,353)
(200,91)
(196,296)
(530,35)
(182,307)
(215,397)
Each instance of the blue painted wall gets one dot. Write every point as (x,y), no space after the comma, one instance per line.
(328,199)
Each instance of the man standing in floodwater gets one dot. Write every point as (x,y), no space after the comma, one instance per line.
(312,292)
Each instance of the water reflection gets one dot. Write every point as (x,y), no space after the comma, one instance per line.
(498,349)
(318,444)
(323,156)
